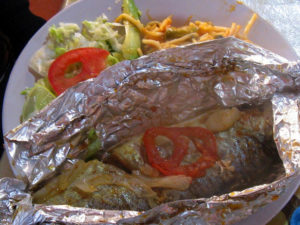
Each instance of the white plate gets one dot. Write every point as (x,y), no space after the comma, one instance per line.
(218,11)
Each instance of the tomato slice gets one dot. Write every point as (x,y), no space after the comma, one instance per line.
(179,135)
(93,61)
(180,146)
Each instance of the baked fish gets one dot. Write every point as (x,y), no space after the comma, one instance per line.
(246,156)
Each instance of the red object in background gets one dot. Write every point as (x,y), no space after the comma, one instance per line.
(45,8)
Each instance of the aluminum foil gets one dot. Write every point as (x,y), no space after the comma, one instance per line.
(12,191)
(162,88)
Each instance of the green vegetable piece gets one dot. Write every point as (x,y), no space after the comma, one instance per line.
(63,32)
(56,34)
(174,32)
(92,135)
(59,51)
(36,99)
(103,45)
(103,33)
(130,8)
(92,149)
(132,37)
(94,144)
(45,82)
(118,56)
(25,91)
(111,60)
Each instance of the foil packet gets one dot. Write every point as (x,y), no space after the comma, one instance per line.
(163,88)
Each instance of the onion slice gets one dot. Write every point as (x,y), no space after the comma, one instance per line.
(140,185)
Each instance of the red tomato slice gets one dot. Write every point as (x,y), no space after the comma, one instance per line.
(179,135)
(93,61)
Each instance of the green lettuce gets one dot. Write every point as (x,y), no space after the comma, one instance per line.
(36,98)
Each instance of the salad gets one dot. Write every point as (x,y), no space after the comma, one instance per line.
(72,53)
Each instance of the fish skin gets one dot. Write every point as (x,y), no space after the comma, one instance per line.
(247,165)
(109,196)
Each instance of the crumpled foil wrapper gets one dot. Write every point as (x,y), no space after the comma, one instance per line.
(162,88)
(12,191)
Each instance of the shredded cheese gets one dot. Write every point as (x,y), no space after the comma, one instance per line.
(205,37)
(140,52)
(138,25)
(250,24)
(154,32)
(153,43)
(232,29)
(165,24)
(182,39)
